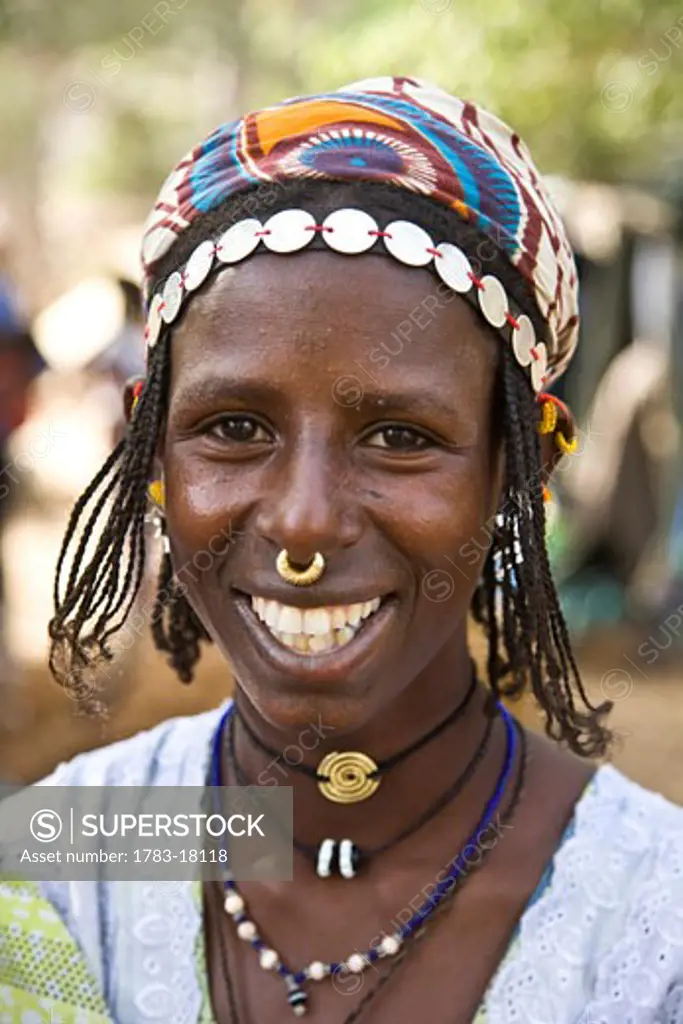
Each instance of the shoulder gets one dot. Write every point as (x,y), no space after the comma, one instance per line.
(631,843)
(607,933)
(176,752)
(633,838)
(635,820)
(624,862)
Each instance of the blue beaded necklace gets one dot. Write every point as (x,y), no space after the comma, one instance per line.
(390,945)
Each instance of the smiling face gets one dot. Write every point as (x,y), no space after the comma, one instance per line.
(291,426)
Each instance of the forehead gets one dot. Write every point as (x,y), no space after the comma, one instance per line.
(272,308)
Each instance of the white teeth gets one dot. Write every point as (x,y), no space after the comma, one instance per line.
(290,620)
(338,618)
(371,606)
(313,630)
(321,643)
(354,613)
(272,614)
(317,621)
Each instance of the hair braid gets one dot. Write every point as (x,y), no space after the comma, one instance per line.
(534,629)
(109,520)
(76,513)
(175,627)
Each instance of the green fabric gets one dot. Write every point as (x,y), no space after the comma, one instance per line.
(201,964)
(44,978)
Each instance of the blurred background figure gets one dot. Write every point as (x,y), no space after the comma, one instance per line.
(618,530)
(123,356)
(20,363)
(98,100)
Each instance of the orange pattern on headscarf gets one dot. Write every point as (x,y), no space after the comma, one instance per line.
(309,116)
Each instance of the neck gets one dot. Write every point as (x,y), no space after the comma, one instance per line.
(407,788)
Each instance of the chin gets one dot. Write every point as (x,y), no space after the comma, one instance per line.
(339,681)
(290,704)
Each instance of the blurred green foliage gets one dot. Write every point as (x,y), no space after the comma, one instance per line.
(595,89)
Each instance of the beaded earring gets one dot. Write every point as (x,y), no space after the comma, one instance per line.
(548,423)
(566,447)
(157,497)
(137,391)
(548,417)
(157,494)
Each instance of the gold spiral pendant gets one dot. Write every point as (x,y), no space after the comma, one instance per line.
(345,778)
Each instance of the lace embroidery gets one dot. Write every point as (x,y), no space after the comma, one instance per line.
(605,943)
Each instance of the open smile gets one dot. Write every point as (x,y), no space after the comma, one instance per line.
(328,640)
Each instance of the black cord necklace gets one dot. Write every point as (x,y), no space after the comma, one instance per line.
(427,928)
(344,855)
(347,777)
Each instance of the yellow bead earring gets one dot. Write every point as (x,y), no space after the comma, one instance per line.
(548,418)
(156,493)
(566,447)
(548,423)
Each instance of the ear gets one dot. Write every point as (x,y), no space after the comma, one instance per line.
(558,433)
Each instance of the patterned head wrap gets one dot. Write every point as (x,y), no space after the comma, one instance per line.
(400,131)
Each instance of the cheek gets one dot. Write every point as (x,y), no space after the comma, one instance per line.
(450,532)
(449,510)
(203,507)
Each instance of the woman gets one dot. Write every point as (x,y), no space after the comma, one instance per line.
(356,304)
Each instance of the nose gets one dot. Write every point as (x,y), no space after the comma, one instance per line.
(310,506)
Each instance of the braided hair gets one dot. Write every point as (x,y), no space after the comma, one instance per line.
(515,601)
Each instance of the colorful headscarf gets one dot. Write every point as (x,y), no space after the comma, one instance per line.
(400,131)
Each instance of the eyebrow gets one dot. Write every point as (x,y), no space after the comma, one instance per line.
(409,401)
(216,389)
(212,390)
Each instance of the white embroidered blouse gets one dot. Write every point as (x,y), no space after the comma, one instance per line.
(601,943)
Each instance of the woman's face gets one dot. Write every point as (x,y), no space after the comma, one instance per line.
(337,405)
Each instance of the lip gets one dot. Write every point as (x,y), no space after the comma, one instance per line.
(299,599)
(328,668)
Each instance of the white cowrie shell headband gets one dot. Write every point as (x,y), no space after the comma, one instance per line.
(352,232)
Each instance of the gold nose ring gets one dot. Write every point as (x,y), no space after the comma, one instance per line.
(300,577)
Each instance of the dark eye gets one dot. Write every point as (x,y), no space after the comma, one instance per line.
(237,428)
(400,439)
